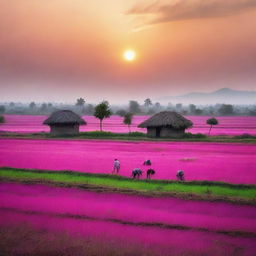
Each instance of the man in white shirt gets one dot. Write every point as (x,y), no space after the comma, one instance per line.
(116,166)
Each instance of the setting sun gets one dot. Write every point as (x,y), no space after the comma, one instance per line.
(129,55)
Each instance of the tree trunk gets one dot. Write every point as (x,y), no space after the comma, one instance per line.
(101,125)
(129,128)
(210,130)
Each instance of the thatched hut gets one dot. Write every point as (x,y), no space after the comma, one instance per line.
(166,124)
(64,122)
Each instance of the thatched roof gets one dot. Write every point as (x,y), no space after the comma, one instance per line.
(64,117)
(167,118)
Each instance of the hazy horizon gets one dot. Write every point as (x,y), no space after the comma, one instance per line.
(58,51)
(185,99)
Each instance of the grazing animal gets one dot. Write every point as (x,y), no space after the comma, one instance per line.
(147,162)
(180,175)
(136,173)
(150,172)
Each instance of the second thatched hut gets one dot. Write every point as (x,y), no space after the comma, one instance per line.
(64,122)
(166,124)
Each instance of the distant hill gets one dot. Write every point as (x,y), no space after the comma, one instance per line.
(224,95)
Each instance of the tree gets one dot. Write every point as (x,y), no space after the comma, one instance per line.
(102,111)
(134,107)
(2,109)
(128,120)
(147,102)
(212,121)
(226,109)
(157,105)
(12,104)
(178,106)
(252,112)
(192,108)
(2,119)
(32,105)
(80,102)
(89,109)
(121,112)
(170,106)
(198,111)
(43,107)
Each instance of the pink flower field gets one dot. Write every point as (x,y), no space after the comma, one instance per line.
(230,125)
(162,226)
(228,162)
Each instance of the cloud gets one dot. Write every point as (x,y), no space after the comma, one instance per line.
(172,10)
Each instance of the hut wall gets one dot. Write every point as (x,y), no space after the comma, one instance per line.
(70,129)
(169,132)
(151,132)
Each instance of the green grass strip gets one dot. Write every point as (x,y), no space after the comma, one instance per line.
(134,136)
(205,189)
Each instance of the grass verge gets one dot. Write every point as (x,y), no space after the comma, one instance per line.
(198,190)
(133,136)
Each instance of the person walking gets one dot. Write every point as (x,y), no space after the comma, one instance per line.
(116,166)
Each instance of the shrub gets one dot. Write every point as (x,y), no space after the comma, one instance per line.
(137,134)
(98,134)
(245,136)
(2,119)
(2,109)
(189,135)
(111,134)
(200,135)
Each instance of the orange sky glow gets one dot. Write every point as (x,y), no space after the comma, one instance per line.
(58,50)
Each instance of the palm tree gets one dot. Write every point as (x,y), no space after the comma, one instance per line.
(80,102)
(147,102)
(102,111)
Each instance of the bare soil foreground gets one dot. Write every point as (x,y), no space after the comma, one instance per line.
(228,162)
(41,219)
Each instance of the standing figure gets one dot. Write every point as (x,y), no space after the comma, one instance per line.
(116,166)
(136,173)
(180,175)
(150,172)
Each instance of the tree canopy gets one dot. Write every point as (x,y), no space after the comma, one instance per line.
(2,109)
(212,121)
(102,111)
(32,105)
(128,120)
(80,102)
(226,109)
(134,107)
(148,102)
(2,120)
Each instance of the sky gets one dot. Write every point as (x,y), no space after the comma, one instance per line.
(59,50)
